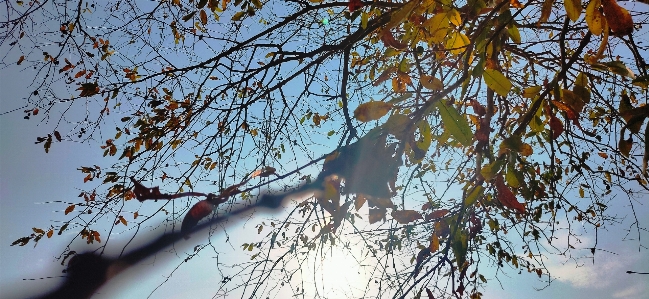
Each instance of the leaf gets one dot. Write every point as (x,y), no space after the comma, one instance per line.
(454,17)
(497,82)
(354,5)
(546,10)
(237,16)
(594,18)
(21,242)
(38,230)
(69,209)
(436,214)
(514,34)
(618,18)
(371,111)
(426,137)
(400,15)
(618,67)
(201,4)
(460,243)
(473,196)
(489,171)
(390,42)
(122,220)
(556,126)
(359,201)
(573,9)
(188,16)
(438,26)
(531,92)
(376,215)
(642,81)
(88,89)
(200,210)
(506,197)
(434,243)
(203,17)
(20,60)
(431,83)
(455,123)
(625,146)
(406,216)
(364,19)
(457,43)
(57,135)
(50,233)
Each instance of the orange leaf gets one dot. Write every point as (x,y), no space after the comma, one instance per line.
(69,209)
(389,41)
(618,18)
(406,216)
(570,112)
(135,215)
(434,243)
(506,197)
(122,220)
(50,233)
(80,73)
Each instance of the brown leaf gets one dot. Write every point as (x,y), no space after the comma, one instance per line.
(69,209)
(203,16)
(50,233)
(389,41)
(122,220)
(506,197)
(618,18)
(434,243)
(88,89)
(437,214)
(80,73)
(371,111)
(57,135)
(376,215)
(20,60)
(359,201)
(406,216)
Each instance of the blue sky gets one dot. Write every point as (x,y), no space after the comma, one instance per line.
(31,183)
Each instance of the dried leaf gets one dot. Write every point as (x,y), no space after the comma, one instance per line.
(69,209)
(406,216)
(371,111)
(203,17)
(556,126)
(376,215)
(618,18)
(200,210)
(20,60)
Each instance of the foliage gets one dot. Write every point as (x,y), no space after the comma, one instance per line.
(459,131)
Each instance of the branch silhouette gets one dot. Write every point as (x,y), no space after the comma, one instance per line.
(88,271)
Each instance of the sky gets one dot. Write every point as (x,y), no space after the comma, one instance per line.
(35,187)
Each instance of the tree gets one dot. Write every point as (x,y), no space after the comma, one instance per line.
(470,129)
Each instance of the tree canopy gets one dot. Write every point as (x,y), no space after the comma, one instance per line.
(440,138)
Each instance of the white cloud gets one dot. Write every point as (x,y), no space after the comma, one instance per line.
(633,291)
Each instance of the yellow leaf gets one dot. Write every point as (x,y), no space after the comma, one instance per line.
(457,43)
(594,18)
(497,82)
(431,83)
(400,15)
(438,27)
(364,18)
(531,91)
(454,17)
(434,243)
(581,192)
(573,9)
(371,111)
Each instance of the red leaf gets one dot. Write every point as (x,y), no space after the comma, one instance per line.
(437,214)
(354,5)
(506,197)
(556,126)
(199,211)
(35,111)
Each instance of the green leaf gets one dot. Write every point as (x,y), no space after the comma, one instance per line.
(455,123)
(497,82)
(514,34)
(642,81)
(473,196)
(460,244)
(489,171)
